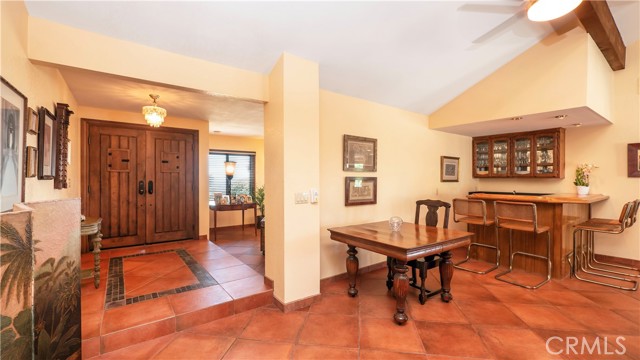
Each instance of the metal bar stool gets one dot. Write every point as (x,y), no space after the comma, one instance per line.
(474,212)
(591,259)
(607,226)
(521,217)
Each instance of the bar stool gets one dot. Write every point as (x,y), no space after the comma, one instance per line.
(521,217)
(607,226)
(474,212)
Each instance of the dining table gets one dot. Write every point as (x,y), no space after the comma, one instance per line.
(409,242)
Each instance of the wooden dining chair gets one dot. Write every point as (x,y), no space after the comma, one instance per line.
(421,266)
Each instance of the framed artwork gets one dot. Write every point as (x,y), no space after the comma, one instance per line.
(12,139)
(449,168)
(32,161)
(32,121)
(225,200)
(360,191)
(359,153)
(633,160)
(46,144)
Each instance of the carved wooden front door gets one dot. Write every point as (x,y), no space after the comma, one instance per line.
(141,183)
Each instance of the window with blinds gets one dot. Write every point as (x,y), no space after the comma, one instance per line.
(244,178)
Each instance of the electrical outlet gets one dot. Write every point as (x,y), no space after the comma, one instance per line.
(313,195)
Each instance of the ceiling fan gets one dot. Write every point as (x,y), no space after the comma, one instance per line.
(536,10)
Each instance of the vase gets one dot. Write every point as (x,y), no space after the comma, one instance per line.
(582,190)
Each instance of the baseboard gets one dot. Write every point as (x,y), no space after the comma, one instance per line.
(344,275)
(268,282)
(232,227)
(620,261)
(295,305)
(202,237)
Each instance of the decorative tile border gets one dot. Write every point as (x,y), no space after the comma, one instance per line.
(115,295)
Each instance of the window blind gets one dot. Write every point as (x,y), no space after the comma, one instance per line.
(244,178)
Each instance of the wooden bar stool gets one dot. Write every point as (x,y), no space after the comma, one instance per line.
(521,217)
(474,212)
(581,253)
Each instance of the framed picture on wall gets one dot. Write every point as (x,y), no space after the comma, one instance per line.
(32,161)
(633,160)
(32,121)
(449,168)
(12,139)
(359,153)
(46,144)
(360,191)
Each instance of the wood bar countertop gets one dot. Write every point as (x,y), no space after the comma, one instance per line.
(561,212)
(549,199)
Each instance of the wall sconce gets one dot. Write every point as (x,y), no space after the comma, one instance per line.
(230,169)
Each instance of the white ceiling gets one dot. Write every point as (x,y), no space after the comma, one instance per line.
(411,55)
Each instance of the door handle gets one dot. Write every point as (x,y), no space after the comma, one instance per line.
(141,187)
(150,187)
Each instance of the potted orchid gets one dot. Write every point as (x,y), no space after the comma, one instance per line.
(582,178)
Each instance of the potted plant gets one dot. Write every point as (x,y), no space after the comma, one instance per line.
(582,178)
(258,197)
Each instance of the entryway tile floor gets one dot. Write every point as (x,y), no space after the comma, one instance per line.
(487,319)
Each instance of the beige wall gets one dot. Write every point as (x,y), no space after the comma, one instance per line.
(201,126)
(238,143)
(43,86)
(408,169)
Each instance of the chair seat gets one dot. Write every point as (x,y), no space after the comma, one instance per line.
(522,226)
(475,220)
(600,227)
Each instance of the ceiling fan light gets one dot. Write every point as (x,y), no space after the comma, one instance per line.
(545,10)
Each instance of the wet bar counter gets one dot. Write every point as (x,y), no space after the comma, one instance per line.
(558,211)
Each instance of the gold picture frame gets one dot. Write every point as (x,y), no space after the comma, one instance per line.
(449,168)
(32,161)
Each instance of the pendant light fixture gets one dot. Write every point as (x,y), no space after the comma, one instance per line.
(545,10)
(153,113)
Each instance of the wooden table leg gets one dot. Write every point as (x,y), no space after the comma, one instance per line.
(352,270)
(400,289)
(215,225)
(255,220)
(243,218)
(97,244)
(446,273)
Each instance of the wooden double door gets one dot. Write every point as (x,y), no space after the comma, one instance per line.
(141,182)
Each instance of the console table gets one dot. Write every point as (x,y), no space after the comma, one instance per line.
(91,227)
(233,207)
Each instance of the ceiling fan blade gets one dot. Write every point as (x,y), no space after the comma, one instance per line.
(565,23)
(500,28)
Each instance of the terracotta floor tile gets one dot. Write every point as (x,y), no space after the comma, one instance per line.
(233,273)
(274,326)
(564,298)
(344,330)
(198,299)
(197,346)
(612,299)
(335,287)
(451,340)
(377,306)
(132,283)
(516,294)
(144,350)
(514,343)
(251,259)
(125,317)
(160,284)
(181,273)
(245,287)
(136,335)
(205,315)
(336,304)
(157,268)
(544,317)
(92,303)
(436,310)
(229,326)
(91,323)
(370,354)
(471,291)
(489,313)
(248,349)
(221,263)
(90,348)
(375,334)
(301,352)
(601,320)
(371,287)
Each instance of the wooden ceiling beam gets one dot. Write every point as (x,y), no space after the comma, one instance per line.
(596,18)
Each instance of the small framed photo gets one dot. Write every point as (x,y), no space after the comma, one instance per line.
(360,191)
(449,168)
(225,200)
(248,199)
(32,121)
(359,153)
(32,161)
(46,144)
(633,160)
(217,197)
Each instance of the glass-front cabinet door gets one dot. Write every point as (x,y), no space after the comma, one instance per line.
(500,157)
(521,165)
(480,157)
(546,154)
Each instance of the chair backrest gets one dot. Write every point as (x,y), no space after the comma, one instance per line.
(521,213)
(431,219)
(634,213)
(474,209)
(625,215)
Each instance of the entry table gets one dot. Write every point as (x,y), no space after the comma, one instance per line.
(91,227)
(409,243)
(234,207)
